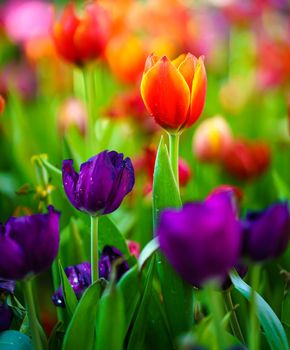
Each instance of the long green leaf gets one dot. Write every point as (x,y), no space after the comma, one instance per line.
(177,294)
(69,296)
(274,331)
(81,330)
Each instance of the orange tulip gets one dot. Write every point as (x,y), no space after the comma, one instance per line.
(174,91)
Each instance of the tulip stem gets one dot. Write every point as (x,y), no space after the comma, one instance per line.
(235,326)
(33,321)
(174,155)
(254,331)
(215,304)
(94,249)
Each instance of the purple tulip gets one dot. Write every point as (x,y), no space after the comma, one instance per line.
(6,314)
(79,275)
(28,244)
(201,240)
(266,233)
(103,182)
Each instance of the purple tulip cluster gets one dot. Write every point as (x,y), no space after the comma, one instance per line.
(205,240)
(79,275)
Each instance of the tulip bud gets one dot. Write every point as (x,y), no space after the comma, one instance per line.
(134,248)
(212,139)
(174,92)
(201,240)
(28,244)
(103,182)
(72,112)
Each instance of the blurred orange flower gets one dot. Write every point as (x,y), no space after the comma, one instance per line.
(126,56)
(174,91)
(81,40)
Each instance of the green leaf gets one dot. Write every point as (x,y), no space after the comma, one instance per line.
(69,296)
(13,340)
(137,333)
(165,191)
(129,284)
(111,319)
(281,187)
(81,330)
(274,331)
(110,235)
(286,309)
(177,293)
(147,252)
(56,336)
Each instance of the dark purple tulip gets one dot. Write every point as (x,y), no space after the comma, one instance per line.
(266,233)
(103,182)
(28,244)
(6,314)
(79,275)
(201,240)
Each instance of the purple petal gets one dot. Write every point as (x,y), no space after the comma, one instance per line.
(70,179)
(202,240)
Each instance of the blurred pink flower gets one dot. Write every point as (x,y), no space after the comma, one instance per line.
(27,19)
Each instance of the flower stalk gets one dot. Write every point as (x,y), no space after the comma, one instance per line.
(94,248)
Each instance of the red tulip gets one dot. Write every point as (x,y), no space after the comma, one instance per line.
(79,40)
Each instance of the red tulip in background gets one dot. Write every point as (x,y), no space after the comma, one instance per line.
(79,40)
(247,160)
(174,91)
(2,104)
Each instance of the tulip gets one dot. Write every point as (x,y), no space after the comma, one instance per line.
(201,240)
(72,112)
(2,104)
(103,182)
(266,234)
(247,160)
(126,56)
(6,314)
(79,276)
(28,244)
(134,248)
(212,139)
(174,92)
(79,40)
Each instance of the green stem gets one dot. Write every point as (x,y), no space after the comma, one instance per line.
(94,249)
(174,154)
(90,95)
(215,304)
(254,329)
(33,321)
(235,326)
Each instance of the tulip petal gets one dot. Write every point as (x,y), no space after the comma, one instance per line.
(122,186)
(187,68)
(150,62)
(166,94)
(198,93)
(70,178)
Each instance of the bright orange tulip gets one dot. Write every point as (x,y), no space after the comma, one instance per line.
(174,91)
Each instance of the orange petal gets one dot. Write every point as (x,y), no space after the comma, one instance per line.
(198,92)
(178,60)
(150,62)
(187,68)
(166,94)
